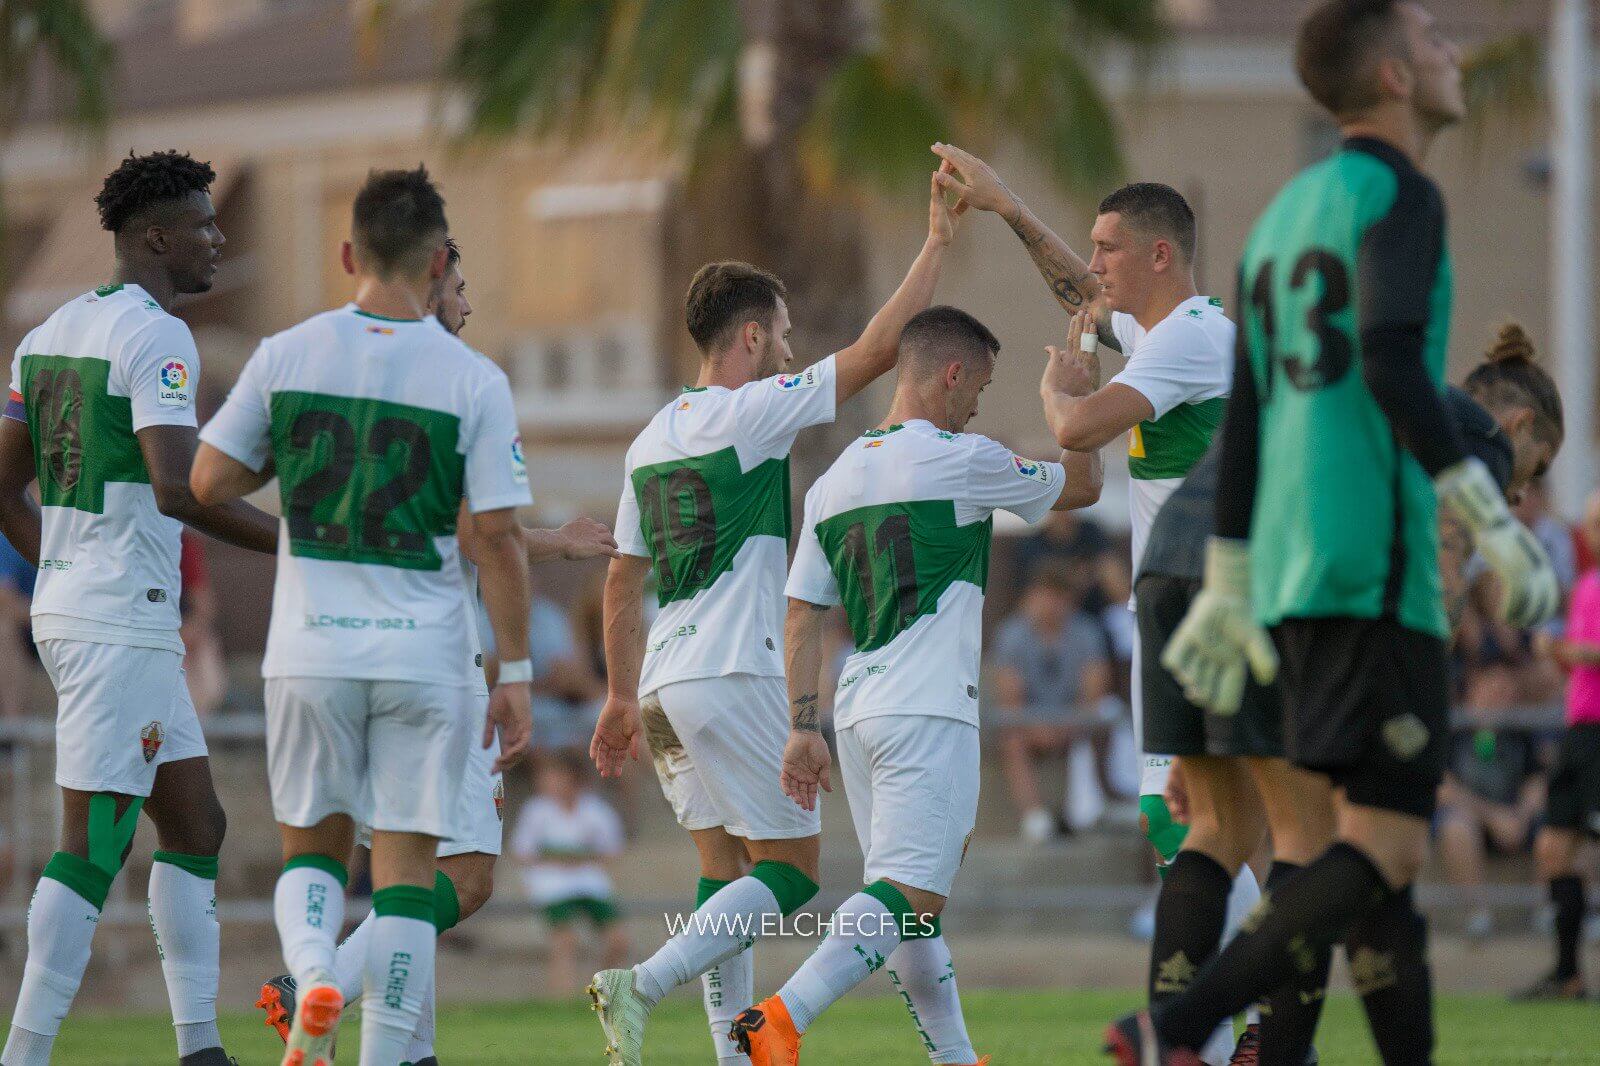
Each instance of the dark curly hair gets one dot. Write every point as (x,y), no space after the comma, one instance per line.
(143,181)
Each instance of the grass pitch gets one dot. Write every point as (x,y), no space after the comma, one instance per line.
(1059,1028)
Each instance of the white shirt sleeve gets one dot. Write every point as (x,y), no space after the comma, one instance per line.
(1126,329)
(771,412)
(628,531)
(810,577)
(160,368)
(1000,479)
(242,428)
(497,473)
(1178,363)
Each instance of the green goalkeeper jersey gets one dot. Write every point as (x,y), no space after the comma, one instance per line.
(1344,518)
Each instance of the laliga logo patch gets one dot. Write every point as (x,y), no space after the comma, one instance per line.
(500,800)
(806,379)
(1031,470)
(173,390)
(150,738)
(519,462)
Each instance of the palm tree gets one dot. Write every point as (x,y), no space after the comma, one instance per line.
(782,111)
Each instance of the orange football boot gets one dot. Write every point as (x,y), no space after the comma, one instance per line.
(766,1033)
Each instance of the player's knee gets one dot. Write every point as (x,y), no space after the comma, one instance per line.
(94,851)
(473,889)
(1553,852)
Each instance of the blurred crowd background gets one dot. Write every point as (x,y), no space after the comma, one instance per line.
(593,156)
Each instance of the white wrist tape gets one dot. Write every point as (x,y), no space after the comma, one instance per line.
(515,672)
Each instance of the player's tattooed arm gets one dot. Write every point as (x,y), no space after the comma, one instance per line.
(19,514)
(806,760)
(1064,271)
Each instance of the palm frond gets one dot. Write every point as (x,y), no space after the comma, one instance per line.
(65,31)
(870,125)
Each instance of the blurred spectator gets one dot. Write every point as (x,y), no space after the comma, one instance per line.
(1557,537)
(1119,761)
(1068,537)
(202,657)
(566,690)
(1572,809)
(1493,791)
(1050,667)
(17,576)
(564,839)
(588,621)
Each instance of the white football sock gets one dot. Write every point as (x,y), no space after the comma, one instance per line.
(863,936)
(399,972)
(421,1046)
(61,926)
(722,927)
(727,989)
(922,971)
(350,961)
(183,915)
(1242,899)
(308,907)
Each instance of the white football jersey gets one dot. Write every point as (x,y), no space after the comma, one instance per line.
(377,428)
(1184,367)
(98,370)
(547,831)
(898,530)
(705,497)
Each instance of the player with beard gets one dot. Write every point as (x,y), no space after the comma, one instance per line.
(101,412)
(465,878)
(1337,414)
(705,502)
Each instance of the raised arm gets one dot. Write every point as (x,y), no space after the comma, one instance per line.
(806,760)
(1064,271)
(616,734)
(874,353)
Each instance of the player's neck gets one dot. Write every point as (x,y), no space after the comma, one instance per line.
(908,406)
(1164,301)
(395,298)
(1394,125)
(733,370)
(151,280)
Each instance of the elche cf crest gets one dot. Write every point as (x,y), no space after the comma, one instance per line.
(500,800)
(150,738)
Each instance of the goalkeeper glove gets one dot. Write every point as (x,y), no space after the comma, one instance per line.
(1532,594)
(1219,635)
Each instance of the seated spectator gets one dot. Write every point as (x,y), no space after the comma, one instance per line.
(1119,759)
(566,690)
(1050,667)
(17,576)
(1493,791)
(1065,537)
(564,839)
(202,656)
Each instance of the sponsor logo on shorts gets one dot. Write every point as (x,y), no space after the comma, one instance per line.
(150,738)
(499,801)
(173,390)
(156,595)
(1031,470)
(1406,736)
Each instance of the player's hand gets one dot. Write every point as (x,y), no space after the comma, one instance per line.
(616,736)
(510,715)
(973,181)
(1219,636)
(584,538)
(807,766)
(1177,795)
(943,218)
(1530,593)
(1070,370)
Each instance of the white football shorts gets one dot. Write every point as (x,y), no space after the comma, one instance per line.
(717,743)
